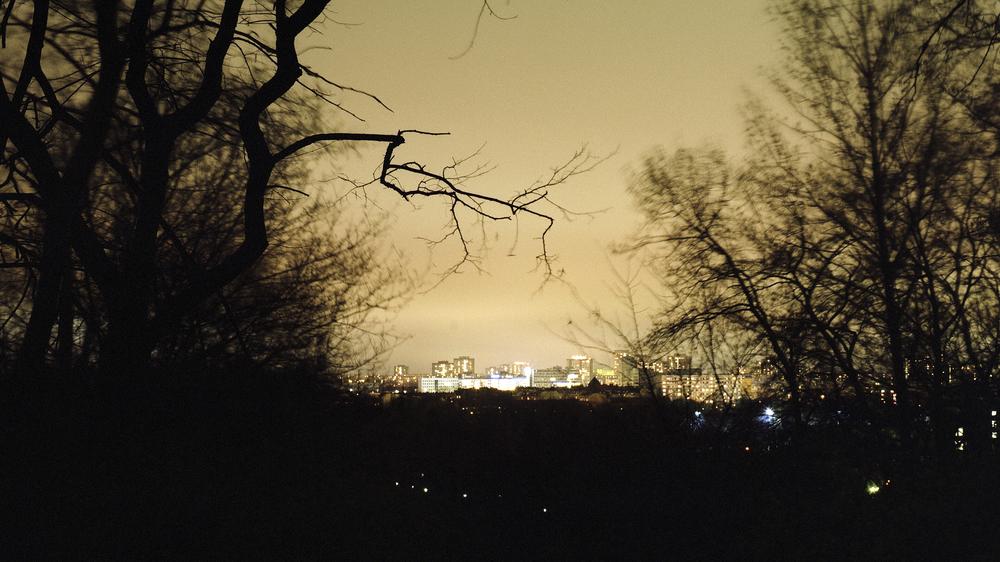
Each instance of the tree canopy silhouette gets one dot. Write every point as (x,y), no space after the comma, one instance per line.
(110,110)
(857,241)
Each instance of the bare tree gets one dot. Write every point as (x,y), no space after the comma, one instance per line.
(872,90)
(83,80)
(702,224)
(855,234)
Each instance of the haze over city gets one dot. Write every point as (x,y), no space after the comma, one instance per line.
(619,79)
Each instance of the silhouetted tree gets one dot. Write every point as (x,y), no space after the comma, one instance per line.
(856,233)
(104,108)
(696,205)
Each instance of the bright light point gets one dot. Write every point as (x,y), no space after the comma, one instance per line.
(397,483)
(747,449)
(465,495)
(872,488)
(425,490)
(768,411)
(412,486)
(545,510)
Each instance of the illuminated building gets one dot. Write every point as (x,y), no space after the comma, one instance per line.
(517,368)
(464,366)
(451,384)
(582,365)
(625,369)
(556,377)
(442,369)
(439,384)
(692,384)
(400,370)
(522,370)
(993,425)
(676,363)
(687,385)
(606,375)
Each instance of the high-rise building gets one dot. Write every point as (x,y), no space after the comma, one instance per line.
(400,370)
(626,369)
(517,368)
(606,375)
(693,384)
(582,365)
(677,363)
(465,366)
(442,369)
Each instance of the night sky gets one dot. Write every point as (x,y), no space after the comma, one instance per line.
(620,77)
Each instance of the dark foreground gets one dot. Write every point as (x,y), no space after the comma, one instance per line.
(262,466)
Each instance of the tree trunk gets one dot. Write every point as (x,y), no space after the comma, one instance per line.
(52,268)
(125,351)
(64,337)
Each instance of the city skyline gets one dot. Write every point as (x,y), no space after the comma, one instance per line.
(483,366)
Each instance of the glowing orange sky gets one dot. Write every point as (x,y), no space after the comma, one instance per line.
(626,75)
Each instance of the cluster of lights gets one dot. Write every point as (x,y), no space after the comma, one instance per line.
(464,495)
(888,396)
(872,488)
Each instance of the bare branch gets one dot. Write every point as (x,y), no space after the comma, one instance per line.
(475,29)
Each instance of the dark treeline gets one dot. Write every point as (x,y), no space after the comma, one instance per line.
(278,466)
(854,252)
